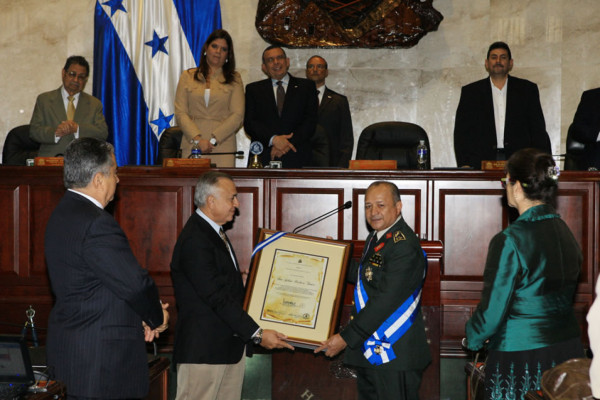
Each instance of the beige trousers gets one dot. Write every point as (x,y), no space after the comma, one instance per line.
(210,381)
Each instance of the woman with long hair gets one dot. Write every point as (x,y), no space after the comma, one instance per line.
(209,102)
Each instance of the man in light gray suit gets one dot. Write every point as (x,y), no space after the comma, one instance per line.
(65,114)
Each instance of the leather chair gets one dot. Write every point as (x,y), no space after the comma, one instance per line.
(575,155)
(169,144)
(18,147)
(393,141)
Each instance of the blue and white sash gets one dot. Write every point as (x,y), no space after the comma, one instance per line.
(378,348)
(267,241)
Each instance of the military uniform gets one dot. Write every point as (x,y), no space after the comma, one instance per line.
(392,269)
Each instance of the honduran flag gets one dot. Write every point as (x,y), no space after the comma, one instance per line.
(140,49)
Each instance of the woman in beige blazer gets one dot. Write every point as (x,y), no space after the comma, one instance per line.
(209,102)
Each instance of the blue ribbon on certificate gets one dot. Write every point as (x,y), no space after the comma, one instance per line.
(266,242)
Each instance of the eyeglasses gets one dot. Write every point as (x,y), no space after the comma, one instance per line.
(73,75)
(512,181)
(316,66)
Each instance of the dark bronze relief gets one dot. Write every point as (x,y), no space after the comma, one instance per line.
(346,23)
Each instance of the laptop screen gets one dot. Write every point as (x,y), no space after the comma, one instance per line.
(15,365)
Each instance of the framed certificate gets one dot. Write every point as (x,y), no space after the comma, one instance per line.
(296,284)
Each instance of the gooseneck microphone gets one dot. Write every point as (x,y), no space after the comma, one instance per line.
(235,153)
(328,214)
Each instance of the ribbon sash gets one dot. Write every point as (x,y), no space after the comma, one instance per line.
(377,349)
(267,241)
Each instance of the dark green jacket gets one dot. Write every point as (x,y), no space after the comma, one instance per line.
(394,278)
(529,280)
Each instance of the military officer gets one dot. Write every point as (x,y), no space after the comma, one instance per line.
(388,354)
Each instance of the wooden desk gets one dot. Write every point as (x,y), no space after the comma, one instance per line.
(460,209)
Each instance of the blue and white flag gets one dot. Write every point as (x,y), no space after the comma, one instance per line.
(140,49)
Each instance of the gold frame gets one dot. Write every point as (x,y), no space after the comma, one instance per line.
(330,297)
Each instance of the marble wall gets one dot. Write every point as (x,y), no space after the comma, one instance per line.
(552,43)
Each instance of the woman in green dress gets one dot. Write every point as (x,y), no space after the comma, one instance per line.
(525,316)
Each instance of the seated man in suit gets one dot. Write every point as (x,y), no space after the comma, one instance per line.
(67,113)
(499,115)
(586,127)
(281,112)
(213,329)
(334,139)
(103,296)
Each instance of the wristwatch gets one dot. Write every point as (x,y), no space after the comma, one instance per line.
(258,336)
(213,141)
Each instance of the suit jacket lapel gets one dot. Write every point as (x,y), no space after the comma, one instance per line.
(216,239)
(290,93)
(325,101)
(512,101)
(237,264)
(58,105)
(83,105)
(489,107)
(270,96)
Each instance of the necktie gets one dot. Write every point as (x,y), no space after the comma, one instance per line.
(222,233)
(70,108)
(318,99)
(226,241)
(280,97)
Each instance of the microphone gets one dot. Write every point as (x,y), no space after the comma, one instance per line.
(235,153)
(328,214)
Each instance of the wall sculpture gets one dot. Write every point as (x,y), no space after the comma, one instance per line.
(346,23)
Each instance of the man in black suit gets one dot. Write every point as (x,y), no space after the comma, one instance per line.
(212,327)
(586,127)
(281,112)
(334,139)
(95,339)
(499,115)
(388,351)
(67,113)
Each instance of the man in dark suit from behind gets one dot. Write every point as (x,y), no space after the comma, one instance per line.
(106,303)
(586,127)
(499,115)
(212,327)
(281,112)
(333,141)
(67,113)
(385,339)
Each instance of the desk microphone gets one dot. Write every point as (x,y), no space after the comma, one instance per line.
(328,214)
(235,153)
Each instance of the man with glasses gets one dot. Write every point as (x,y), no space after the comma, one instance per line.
(281,112)
(334,139)
(65,114)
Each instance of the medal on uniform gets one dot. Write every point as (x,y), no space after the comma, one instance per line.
(369,274)
(376,260)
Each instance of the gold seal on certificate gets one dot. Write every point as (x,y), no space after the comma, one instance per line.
(294,288)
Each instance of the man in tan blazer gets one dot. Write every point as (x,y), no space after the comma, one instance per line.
(65,114)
